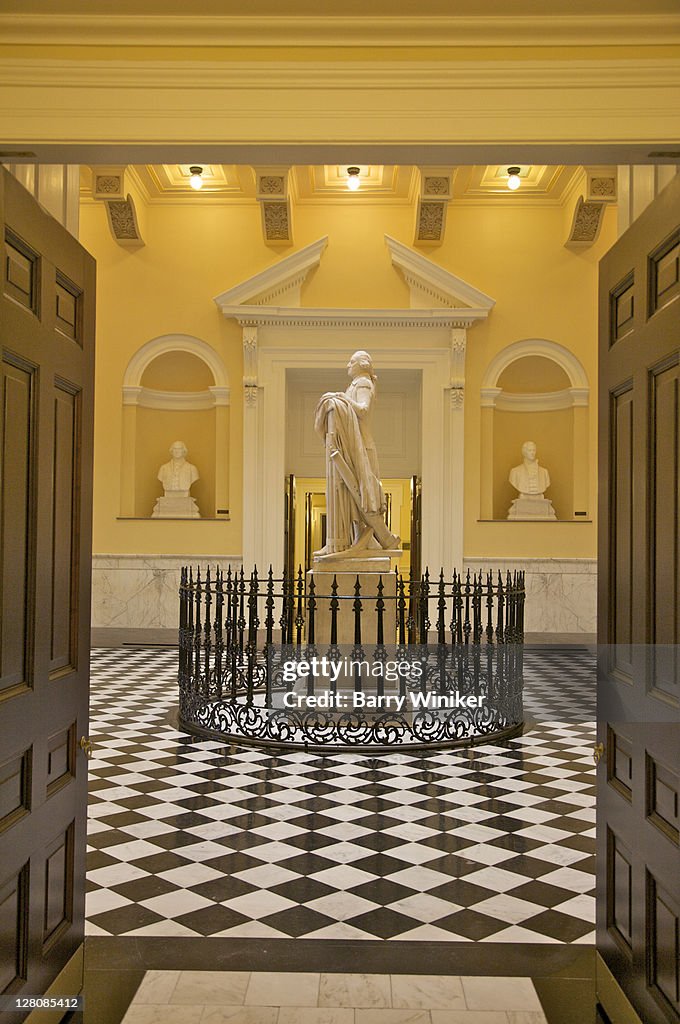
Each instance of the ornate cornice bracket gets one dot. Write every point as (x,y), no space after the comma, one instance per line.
(273,195)
(586,224)
(122,218)
(108,186)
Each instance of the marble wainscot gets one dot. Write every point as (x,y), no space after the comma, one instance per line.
(141,591)
(561,593)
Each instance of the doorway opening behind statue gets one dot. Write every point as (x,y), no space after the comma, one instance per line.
(396,428)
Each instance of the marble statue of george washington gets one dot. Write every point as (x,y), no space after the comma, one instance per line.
(355,502)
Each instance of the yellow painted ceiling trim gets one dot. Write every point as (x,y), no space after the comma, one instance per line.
(367,32)
(352,77)
(337,54)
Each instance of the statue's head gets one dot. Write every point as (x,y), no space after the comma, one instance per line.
(361,364)
(529,450)
(178,449)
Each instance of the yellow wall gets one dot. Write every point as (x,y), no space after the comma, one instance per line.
(552,432)
(177,371)
(156,430)
(542,290)
(533,374)
(194,251)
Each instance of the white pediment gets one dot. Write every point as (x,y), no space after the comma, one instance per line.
(438,299)
(432,286)
(279,284)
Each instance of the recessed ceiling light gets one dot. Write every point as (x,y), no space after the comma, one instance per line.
(353,181)
(513,178)
(196,181)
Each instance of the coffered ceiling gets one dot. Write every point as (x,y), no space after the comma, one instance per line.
(168,183)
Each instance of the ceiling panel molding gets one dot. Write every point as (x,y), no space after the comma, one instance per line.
(368,32)
(384,183)
(187,76)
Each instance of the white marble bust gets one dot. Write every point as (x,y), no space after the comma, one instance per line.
(531,480)
(177,477)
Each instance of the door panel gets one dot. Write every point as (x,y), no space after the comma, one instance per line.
(18,520)
(47,324)
(638,615)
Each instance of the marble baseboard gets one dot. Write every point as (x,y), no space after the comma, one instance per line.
(141,591)
(561,593)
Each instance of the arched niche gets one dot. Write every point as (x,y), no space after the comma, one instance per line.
(535,390)
(175,388)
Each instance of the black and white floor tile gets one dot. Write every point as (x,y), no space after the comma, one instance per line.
(191,837)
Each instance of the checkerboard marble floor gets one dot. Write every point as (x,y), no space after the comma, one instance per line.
(194,837)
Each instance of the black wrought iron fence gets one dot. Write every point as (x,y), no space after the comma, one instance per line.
(247,641)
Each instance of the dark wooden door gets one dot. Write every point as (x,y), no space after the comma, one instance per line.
(47,339)
(638,612)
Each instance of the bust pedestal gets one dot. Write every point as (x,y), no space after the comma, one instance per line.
(531,506)
(369,570)
(176,506)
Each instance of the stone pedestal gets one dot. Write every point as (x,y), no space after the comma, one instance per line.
(175,507)
(369,570)
(535,507)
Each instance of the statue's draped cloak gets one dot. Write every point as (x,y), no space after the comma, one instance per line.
(359,455)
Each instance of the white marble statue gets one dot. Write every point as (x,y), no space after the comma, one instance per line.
(531,480)
(355,503)
(177,477)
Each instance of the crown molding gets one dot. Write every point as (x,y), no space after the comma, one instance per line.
(288,316)
(547,401)
(424,275)
(339,31)
(648,72)
(285,276)
(179,401)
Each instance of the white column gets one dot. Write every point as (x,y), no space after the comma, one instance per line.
(273,467)
(624,210)
(455,491)
(664,174)
(252,454)
(643,188)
